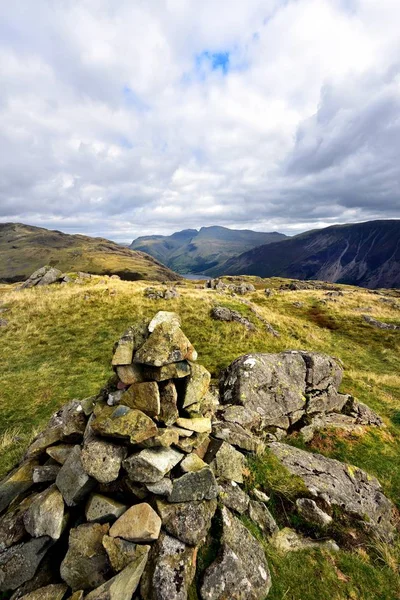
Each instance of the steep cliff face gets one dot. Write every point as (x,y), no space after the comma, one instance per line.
(364,254)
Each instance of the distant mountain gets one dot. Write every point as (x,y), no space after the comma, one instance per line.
(24,248)
(192,251)
(364,254)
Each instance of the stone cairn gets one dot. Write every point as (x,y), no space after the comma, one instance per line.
(115,497)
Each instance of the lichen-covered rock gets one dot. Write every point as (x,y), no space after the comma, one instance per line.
(45,515)
(170,570)
(240,572)
(50,592)
(198,424)
(354,491)
(362,413)
(123,422)
(123,585)
(236,435)
(44,276)
(228,463)
(191,463)
(164,316)
(120,552)
(168,402)
(45,473)
(19,563)
(129,374)
(288,540)
(152,464)
(128,343)
(72,480)
(85,565)
(197,385)
(59,453)
(311,512)
(260,514)
(166,437)
(68,424)
(160,488)
(143,396)
(267,391)
(16,483)
(102,460)
(140,523)
(102,509)
(187,521)
(198,485)
(232,496)
(166,344)
(176,370)
(12,528)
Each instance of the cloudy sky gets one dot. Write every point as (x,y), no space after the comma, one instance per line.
(129,117)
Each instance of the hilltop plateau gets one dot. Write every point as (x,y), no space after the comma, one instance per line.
(56,348)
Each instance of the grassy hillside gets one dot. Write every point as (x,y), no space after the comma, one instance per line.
(203,251)
(57,346)
(24,249)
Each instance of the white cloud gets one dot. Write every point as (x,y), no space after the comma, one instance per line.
(113,124)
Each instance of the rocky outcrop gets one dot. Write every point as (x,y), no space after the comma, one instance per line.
(380,324)
(221,313)
(270,394)
(44,276)
(341,485)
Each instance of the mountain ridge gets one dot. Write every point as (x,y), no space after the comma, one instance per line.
(196,251)
(365,254)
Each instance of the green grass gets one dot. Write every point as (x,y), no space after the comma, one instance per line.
(58,345)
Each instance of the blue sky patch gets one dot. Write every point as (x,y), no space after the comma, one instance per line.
(132,99)
(215,60)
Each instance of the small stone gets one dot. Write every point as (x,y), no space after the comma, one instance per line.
(229,463)
(168,403)
(16,483)
(192,462)
(114,398)
(195,441)
(260,514)
(102,460)
(143,396)
(170,570)
(120,552)
(72,480)
(50,592)
(166,344)
(140,523)
(311,512)
(164,316)
(123,585)
(151,465)
(19,563)
(88,405)
(187,521)
(185,433)
(45,516)
(101,509)
(199,425)
(176,370)
(238,436)
(123,422)
(232,496)
(160,488)
(200,485)
(129,374)
(123,353)
(59,453)
(288,540)
(46,473)
(165,438)
(85,565)
(197,385)
(259,495)
(12,529)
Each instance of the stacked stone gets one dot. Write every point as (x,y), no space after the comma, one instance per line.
(115,496)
